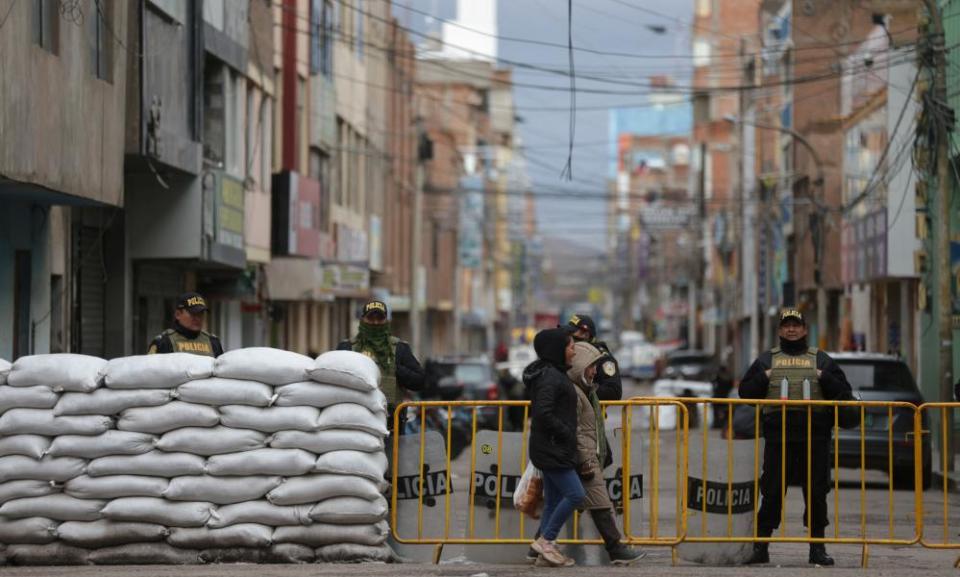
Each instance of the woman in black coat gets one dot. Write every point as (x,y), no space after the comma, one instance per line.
(553,437)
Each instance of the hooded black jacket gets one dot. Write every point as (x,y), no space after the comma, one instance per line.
(553,429)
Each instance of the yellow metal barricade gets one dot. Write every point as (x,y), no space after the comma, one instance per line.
(941,535)
(467,535)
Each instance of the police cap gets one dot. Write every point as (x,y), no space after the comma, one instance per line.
(192,302)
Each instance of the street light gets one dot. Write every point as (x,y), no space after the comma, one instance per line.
(816,219)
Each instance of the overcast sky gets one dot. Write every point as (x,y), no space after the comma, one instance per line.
(602,25)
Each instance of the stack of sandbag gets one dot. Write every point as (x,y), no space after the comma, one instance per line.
(260,456)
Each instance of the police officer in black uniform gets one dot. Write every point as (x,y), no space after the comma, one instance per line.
(399,368)
(795,371)
(610,385)
(187,334)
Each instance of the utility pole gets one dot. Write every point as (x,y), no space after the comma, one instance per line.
(700,269)
(424,153)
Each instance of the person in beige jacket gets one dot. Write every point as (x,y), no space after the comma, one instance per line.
(592,451)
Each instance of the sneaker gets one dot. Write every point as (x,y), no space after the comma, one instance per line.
(624,555)
(541,562)
(549,553)
(761,554)
(818,555)
(532,555)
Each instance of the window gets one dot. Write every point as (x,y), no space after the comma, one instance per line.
(214,112)
(253,134)
(359,17)
(46,24)
(266,142)
(701,52)
(101,40)
(326,45)
(316,34)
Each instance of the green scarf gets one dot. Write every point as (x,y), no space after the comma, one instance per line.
(374,340)
(601,437)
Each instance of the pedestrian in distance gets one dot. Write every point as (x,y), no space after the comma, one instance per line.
(609,383)
(795,371)
(553,438)
(399,369)
(187,334)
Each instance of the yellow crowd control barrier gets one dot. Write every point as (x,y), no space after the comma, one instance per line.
(941,536)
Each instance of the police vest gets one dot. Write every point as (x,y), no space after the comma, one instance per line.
(388,383)
(795,369)
(202,345)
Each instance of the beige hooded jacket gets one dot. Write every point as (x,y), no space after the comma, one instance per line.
(587,429)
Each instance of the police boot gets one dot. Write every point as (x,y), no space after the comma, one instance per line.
(818,555)
(761,554)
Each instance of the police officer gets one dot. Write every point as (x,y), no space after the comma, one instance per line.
(798,372)
(610,386)
(399,368)
(187,334)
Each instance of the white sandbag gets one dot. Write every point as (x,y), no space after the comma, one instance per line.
(4,371)
(313,394)
(217,392)
(291,553)
(346,369)
(353,553)
(160,511)
(264,365)
(60,469)
(38,397)
(34,530)
(350,416)
(244,535)
(367,465)
(108,443)
(285,553)
(320,442)
(47,555)
(26,488)
(283,462)
(62,371)
(349,511)
(156,371)
(143,554)
(320,534)
(220,490)
(103,533)
(262,512)
(314,488)
(109,401)
(211,440)
(173,415)
(152,464)
(270,420)
(44,422)
(59,507)
(33,446)
(115,486)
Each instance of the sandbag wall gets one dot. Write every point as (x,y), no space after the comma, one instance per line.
(261,455)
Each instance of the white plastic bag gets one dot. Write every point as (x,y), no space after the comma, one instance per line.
(217,392)
(143,554)
(38,397)
(115,487)
(25,488)
(264,365)
(283,462)
(173,415)
(104,533)
(159,511)
(220,490)
(62,371)
(102,445)
(61,469)
(244,535)
(326,441)
(528,496)
(349,511)
(269,420)
(313,394)
(44,422)
(110,401)
(35,530)
(351,416)
(320,534)
(313,488)
(33,446)
(370,466)
(346,369)
(262,512)
(59,507)
(156,371)
(211,440)
(153,464)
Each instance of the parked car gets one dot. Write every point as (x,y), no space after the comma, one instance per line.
(639,361)
(690,365)
(465,379)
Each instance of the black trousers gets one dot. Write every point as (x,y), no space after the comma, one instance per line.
(772,488)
